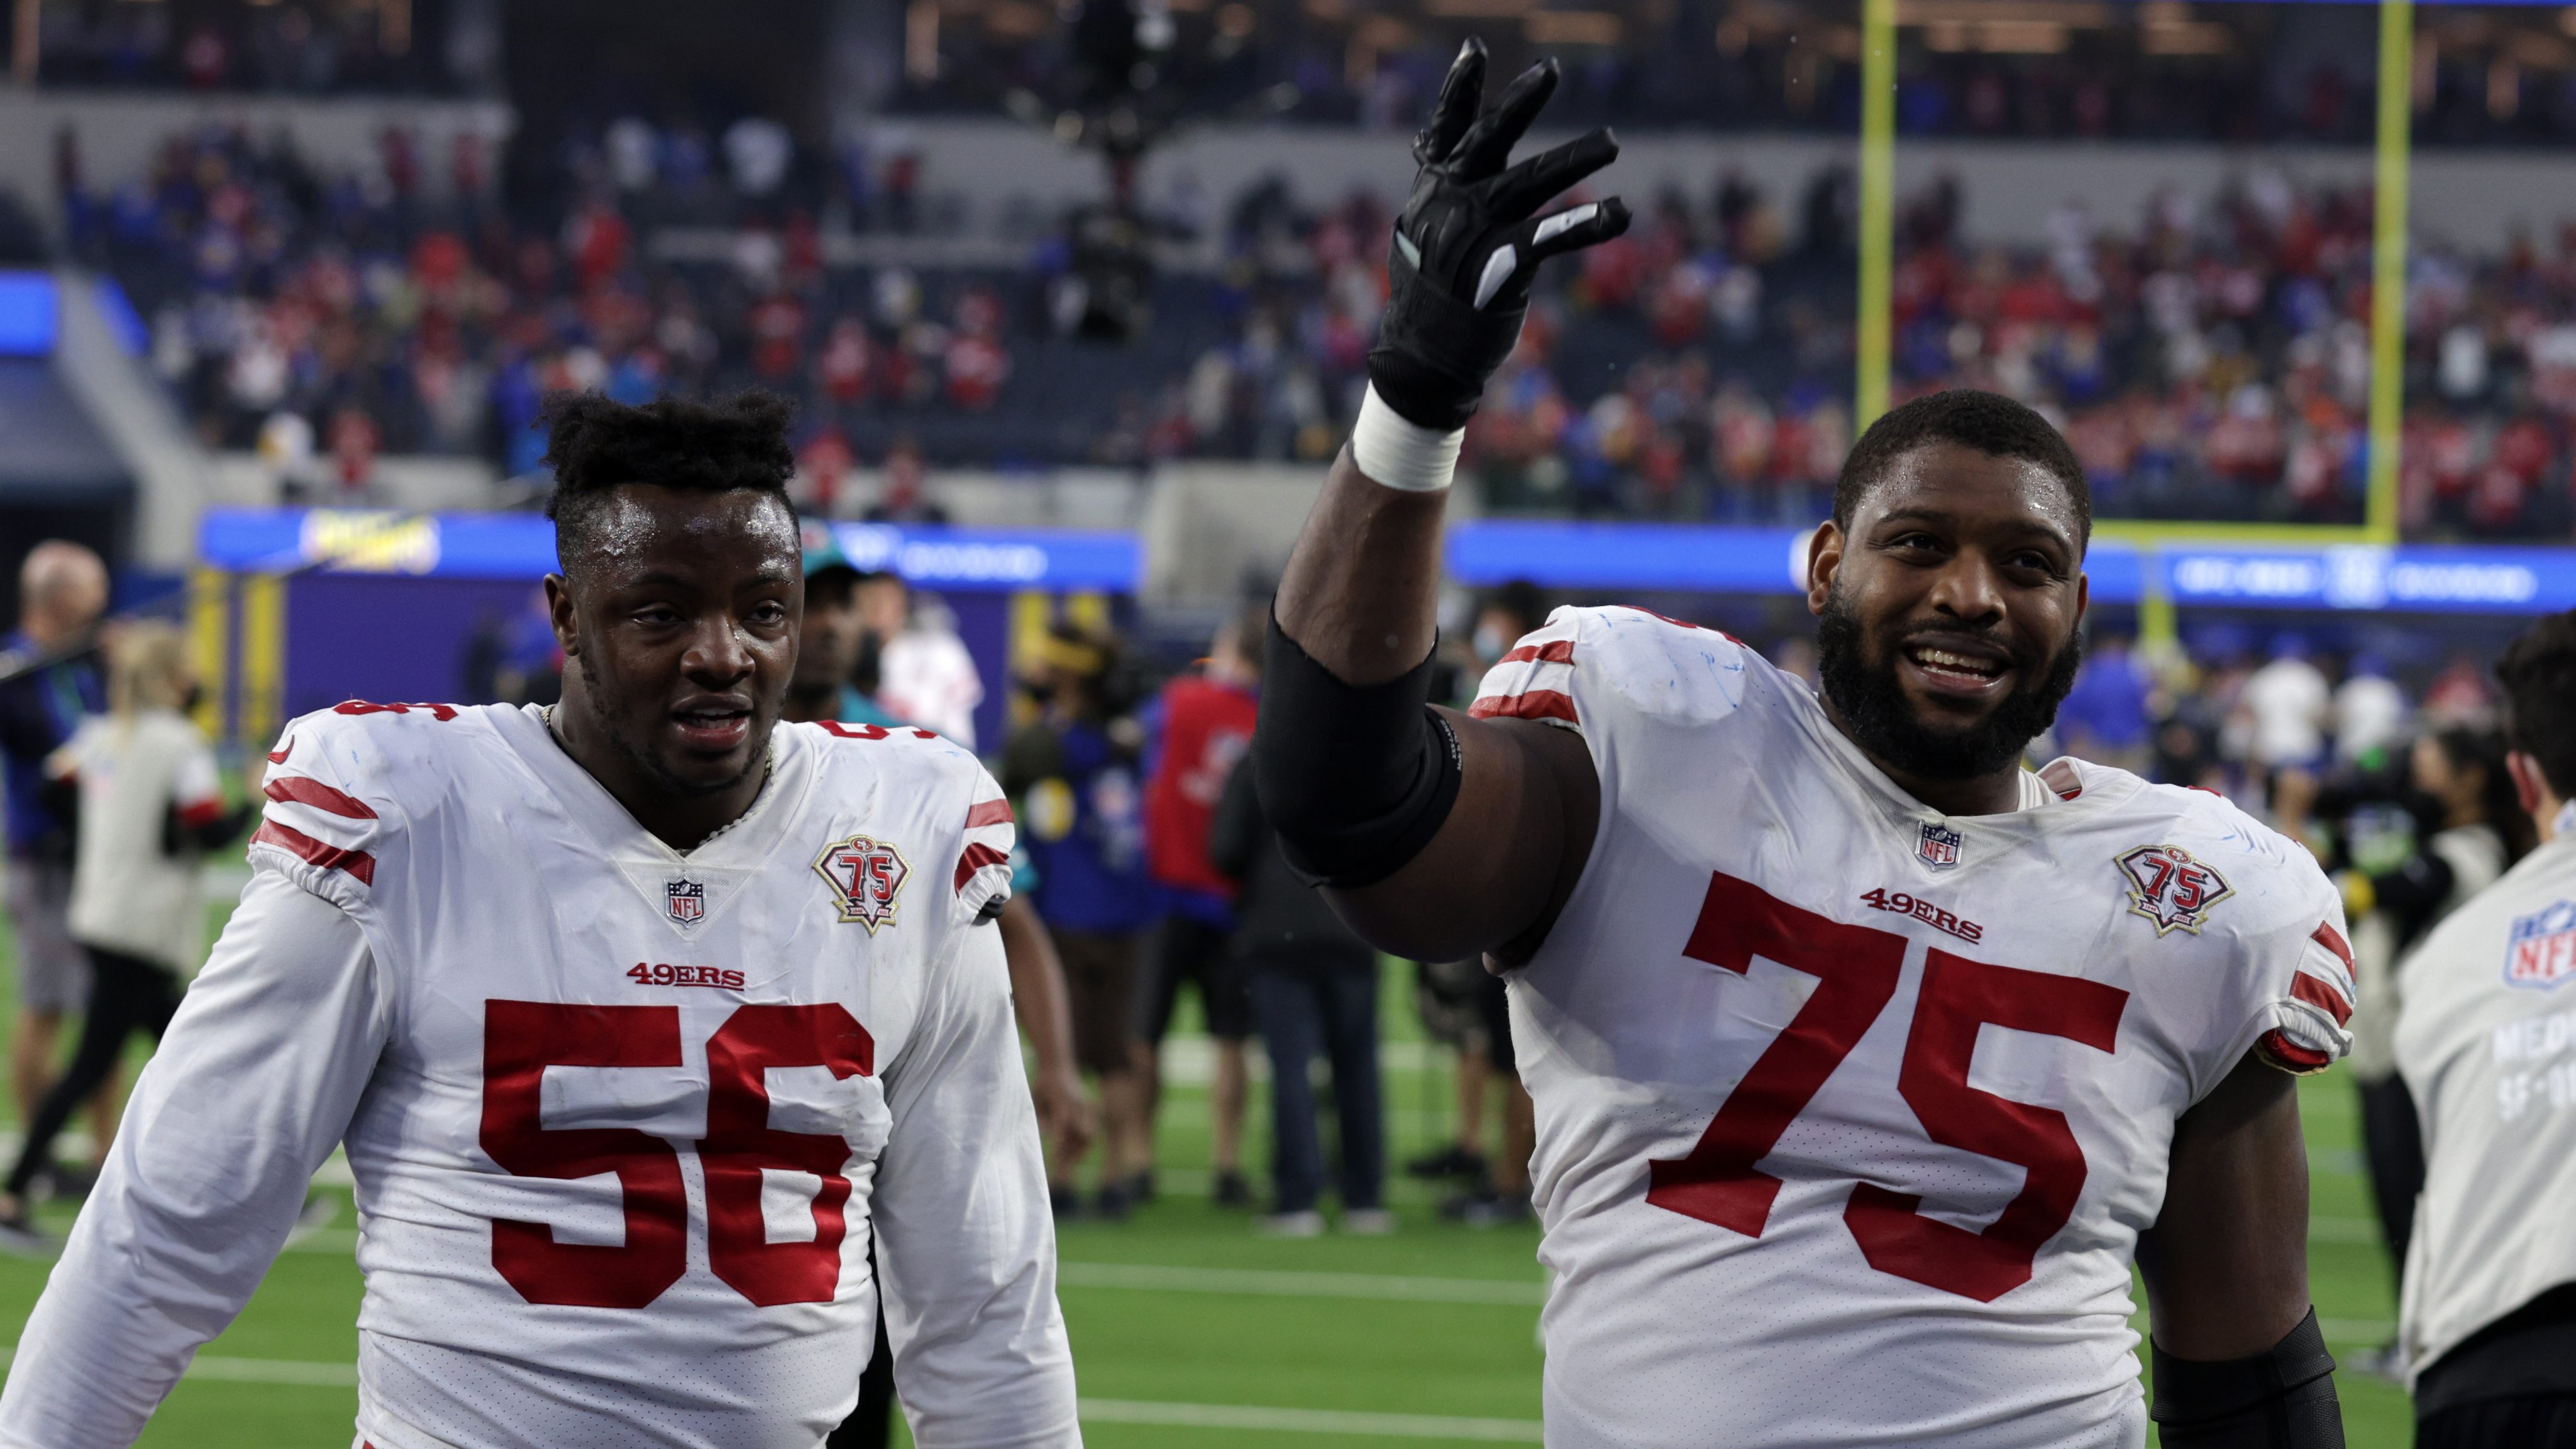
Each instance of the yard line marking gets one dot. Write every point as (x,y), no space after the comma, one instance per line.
(1380,1286)
(293,1372)
(275,1371)
(1310,1421)
(2342,1230)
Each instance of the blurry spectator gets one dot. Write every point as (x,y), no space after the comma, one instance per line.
(1314,992)
(2487,1316)
(925,675)
(2104,717)
(150,805)
(2369,710)
(1199,727)
(1074,773)
(2461,695)
(2407,862)
(2285,704)
(49,683)
(757,153)
(904,499)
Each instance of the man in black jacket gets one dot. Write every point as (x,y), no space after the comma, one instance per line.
(1314,986)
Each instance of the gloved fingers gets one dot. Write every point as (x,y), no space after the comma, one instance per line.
(1550,174)
(1575,228)
(1488,144)
(1455,111)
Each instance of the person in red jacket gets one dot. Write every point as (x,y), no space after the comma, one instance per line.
(1201,724)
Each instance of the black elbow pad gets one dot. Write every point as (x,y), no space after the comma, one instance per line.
(2284,1399)
(1355,780)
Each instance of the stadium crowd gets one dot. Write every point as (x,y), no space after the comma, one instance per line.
(2209,361)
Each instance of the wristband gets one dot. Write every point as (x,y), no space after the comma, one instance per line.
(1400,454)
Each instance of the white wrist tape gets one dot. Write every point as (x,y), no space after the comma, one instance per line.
(1402,454)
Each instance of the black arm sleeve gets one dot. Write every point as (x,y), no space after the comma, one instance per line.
(1356,781)
(1234,834)
(2284,1399)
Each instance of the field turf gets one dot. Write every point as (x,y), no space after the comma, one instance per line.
(1189,1330)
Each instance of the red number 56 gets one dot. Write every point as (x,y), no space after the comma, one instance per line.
(523,1038)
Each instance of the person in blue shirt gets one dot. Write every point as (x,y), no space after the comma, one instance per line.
(49,680)
(1076,776)
(2104,717)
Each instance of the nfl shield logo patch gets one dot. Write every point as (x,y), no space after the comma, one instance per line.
(687,900)
(1939,847)
(866,876)
(2540,950)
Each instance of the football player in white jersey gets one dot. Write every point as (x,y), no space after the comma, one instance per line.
(640,1018)
(1865,1062)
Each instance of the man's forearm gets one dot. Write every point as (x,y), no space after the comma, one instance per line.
(1360,594)
(1037,986)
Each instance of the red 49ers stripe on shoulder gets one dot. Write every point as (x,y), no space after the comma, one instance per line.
(304,790)
(356,863)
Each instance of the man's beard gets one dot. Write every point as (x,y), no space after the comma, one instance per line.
(1884,724)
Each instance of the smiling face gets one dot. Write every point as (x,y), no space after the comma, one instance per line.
(679,620)
(1948,611)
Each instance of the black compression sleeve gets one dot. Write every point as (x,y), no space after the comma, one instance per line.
(2284,1399)
(1356,781)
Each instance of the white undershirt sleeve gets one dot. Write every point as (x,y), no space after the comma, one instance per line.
(966,1241)
(254,1083)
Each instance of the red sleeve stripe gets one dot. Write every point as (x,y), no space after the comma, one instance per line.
(1528,704)
(978,855)
(330,857)
(2321,996)
(990,812)
(2332,940)
(2277,1045)
(1555,651)
(305,790)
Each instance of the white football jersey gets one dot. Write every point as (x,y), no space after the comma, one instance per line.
(619,1151)
(1850,1113)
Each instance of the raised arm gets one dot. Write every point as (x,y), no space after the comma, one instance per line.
(255,1081)
(1438,836)
(2239,1360)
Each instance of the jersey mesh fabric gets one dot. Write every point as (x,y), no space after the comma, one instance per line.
(1967,1040)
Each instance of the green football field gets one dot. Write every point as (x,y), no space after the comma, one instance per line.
(1189,1330)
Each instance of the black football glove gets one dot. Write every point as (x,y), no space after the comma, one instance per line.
(1466,247)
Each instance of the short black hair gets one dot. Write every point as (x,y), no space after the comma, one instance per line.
(597,445)
(1986,421)
(2539,676)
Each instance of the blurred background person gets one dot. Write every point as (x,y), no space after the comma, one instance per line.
(150,804)
(2409,858)
(2285,704)
(49,682)
(1314,992)
(925,675)
(2370,710)
(1073,773)
(2486,1039)
(2104,717)
(1199,726)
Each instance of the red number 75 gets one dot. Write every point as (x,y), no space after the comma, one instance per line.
(1856,971)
